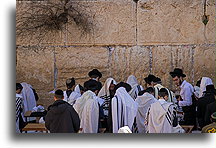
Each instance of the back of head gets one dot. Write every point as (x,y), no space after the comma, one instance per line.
(59,94)
(70,83)
(163,92)
(18,86)
(149,90)
(123,84)
(92,85)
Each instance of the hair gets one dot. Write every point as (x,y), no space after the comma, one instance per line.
(94,76)
(123,84)
(148,90)
(198,82)
(92,85)
(59,94)
(175,75)
(18,86)
(70,83)
(163,92)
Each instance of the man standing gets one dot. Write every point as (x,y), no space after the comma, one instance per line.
(70,95)
(185,100)
(19,107)
(61,116)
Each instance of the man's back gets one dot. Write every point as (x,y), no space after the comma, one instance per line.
(62,118)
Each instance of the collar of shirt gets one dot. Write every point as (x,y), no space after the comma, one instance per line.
(183,83)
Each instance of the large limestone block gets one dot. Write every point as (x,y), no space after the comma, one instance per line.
(204,62)
(174,22)
(77,61)
(210,30)
(125,61)
(113,23)
(36,68)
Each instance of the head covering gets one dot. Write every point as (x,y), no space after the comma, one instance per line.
(95,72)
(91,85)
(210,89)
(123,84)
(124,109)
(124,129)
(157,80)
(204,82)
(134,86)
(105,89)
(213,116)
(149,79)
(88,110)
(19,86)
(177,72)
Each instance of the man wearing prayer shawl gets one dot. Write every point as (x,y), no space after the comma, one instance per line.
(70,95)
(124,109)
(161,116)
(88,108)
(135,87)
(107,92)
(95,75)
(144,101)
(204,82)
(79,89)
(158,85)
(19,107)
(29,101)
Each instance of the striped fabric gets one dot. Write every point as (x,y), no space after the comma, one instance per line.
(18,107)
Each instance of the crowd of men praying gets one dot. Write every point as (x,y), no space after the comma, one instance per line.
(123,107)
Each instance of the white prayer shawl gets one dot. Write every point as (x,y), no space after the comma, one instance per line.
(157,119)
(72,98)
(104,93)
(77,89)
(105,89)
(144,103)
(124,110)
(204,82)
(134,86)
(88,110)
(124,129)
(171,95)
(19,105)
(196,91)
(29,101)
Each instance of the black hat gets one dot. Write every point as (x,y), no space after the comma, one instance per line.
(149,79)
(91,85)
(157,80)
(177,72)
(210,89)
(95,72)
(123,84)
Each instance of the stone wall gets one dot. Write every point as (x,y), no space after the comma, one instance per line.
(150,36)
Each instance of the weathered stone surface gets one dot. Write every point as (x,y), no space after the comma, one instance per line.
(174,22)
(210,31)
(125,61)
(113,24)
(78,61)
(36,68)
(204,62)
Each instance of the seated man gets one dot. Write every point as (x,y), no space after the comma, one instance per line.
(161,116)
(61,116)
(211,128)
(70,95)
(144,101)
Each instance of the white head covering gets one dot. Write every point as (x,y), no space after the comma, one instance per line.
(204,82)
(123,107)
(133,83)
(88,110)
(105,89)
(124,129)
(144,103)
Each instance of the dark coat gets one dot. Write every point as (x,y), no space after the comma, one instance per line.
(201,107)
(62,118)
(210,109)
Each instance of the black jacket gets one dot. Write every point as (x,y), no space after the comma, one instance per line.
(211,108)
(62,118)
(201,107)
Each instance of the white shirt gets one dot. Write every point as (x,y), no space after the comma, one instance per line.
(186,94)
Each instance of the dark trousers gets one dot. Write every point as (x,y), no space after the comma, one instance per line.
(189,115)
